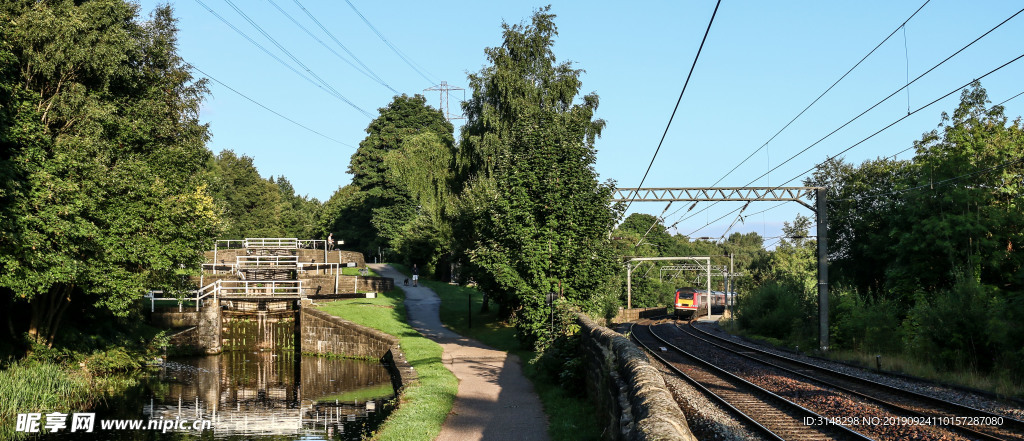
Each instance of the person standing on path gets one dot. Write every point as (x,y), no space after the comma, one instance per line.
(415,275)
(330,241)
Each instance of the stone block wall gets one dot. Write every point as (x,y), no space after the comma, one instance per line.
(634,314)
(323,333)
(352,256)
(629,391)
(175,319)
(346,284)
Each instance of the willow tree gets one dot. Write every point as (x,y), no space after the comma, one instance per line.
(101,149)
(535,219)
(383,206)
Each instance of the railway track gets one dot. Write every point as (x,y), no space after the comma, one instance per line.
(770,414)
(911,407)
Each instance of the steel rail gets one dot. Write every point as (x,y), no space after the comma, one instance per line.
(829,431)
(931,403)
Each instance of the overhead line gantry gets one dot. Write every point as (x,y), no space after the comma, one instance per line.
(753,194)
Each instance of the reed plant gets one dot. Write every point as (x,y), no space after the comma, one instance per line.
(36,386)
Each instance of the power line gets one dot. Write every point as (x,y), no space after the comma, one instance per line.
(318,40)
(694,65)
(267,108)
(894,93)
(336,41)
(825,92)
(393,48)
(279,60)
(296,60)
(874,106)
(907,116)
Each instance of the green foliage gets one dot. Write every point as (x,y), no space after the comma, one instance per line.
(400,179)
(250,206)
(539,219)
(864,323)
(951,329)
(101,143)
(777,311)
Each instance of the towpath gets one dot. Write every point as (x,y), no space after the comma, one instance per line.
(495,401)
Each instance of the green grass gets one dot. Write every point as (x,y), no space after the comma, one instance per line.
(426,403)
(1000,384)
(346,271)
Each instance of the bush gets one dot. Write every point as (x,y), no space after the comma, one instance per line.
(776,311)
(864,324)
(950,328)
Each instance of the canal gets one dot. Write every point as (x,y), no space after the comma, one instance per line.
(261,387)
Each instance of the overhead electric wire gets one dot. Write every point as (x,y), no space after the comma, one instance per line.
(258,45)
(267,108)
(318,40)
(824,93)
(338,42)
(694,65)
(871,108)
(393,48)
(279,60)
(1010,98)
(893,94)
(295,59)
(905,117)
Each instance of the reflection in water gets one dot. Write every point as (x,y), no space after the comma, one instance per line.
(274,393)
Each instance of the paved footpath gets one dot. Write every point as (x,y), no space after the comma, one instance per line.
(495,401)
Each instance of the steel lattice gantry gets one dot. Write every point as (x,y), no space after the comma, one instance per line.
(751,194)
(715,194)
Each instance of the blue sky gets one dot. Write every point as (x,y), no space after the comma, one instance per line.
(762,64)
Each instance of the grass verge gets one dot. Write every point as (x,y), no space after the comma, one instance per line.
(426,403)
(570,416)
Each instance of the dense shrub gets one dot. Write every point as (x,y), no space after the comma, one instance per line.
(863,323)
(776,311)
(949,328)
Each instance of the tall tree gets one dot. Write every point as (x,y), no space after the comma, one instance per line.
(389,204)
(249,205)
(546,228)
(101,147)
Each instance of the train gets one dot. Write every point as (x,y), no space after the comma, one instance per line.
(691,302)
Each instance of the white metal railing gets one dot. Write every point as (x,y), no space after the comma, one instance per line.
(259,287)
(312,244)
(265,261)
(271,242)
(254,288)
(322,268)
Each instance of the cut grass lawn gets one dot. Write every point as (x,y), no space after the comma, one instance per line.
(426,403)
(570,417)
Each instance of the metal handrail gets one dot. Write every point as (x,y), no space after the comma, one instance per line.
(246,261)
(247,287)
(271,242)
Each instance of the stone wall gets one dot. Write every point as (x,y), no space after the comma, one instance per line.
(346,284)
(175,319)
(352,256)
(323,333)
(630,393)
(634,314)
